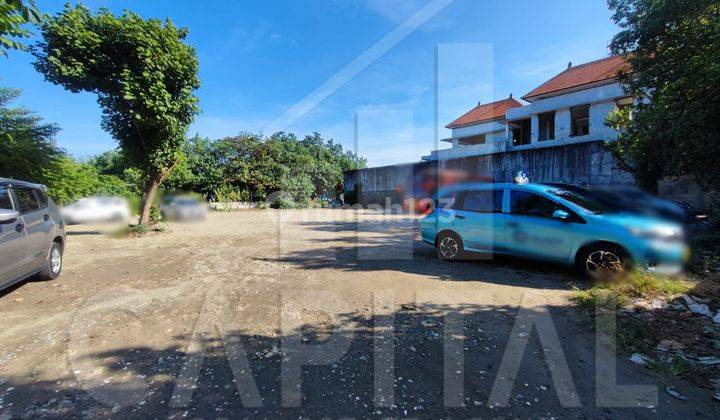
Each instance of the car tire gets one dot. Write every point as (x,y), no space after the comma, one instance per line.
(602,262)
(449,246)
(53,265)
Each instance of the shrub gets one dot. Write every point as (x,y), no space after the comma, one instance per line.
(155,215)
(282,203)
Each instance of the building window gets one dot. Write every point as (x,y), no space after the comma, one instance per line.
(580,117)
(520,132)
(477,139)
(546,124)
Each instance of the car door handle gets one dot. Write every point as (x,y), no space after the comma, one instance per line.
(19,227)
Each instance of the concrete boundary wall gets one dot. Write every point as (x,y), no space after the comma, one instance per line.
(588,162)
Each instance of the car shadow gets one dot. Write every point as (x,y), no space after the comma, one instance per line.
(396,246)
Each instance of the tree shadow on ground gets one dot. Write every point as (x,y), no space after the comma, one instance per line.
(344,386)
(395,245)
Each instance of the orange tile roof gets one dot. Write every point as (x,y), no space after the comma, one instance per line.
(594,71)
(485,112)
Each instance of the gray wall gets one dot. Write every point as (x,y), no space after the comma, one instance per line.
(575,163)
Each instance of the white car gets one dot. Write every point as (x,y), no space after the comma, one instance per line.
(96,210)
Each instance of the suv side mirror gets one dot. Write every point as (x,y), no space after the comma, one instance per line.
(8,216)
(561,215)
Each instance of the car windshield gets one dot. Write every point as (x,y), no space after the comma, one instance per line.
(585,202)
(185,202)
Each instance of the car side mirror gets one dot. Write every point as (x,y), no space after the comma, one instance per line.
(561,215)
(8,216)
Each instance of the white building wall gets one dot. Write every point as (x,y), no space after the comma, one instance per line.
(562,123)
(586,96)
(498,138)
(473,130)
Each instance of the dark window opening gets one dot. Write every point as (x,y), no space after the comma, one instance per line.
(531,204)
(520,132)
(483,201)
(580,117)
(546,124)
(5,202)
(447,201)
(478,139)
(27,201)
(42,198)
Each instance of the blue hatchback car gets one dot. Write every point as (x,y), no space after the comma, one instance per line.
(544,222)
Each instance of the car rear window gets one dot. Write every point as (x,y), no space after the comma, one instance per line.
(483,201)
(27,201)
(5,201)
(447,200)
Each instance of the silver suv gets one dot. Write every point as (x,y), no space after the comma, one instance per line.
(32,233)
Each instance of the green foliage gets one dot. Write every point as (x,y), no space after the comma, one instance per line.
(28,152)
(282,202)
(27,146)
(144,76)
(229,194)
(13,15)
(71,180)
(673,48)
(621,293)
(199,168)
(632,335)
(155,215)
(302,169)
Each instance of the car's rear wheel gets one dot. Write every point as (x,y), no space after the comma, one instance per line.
(53,265)
(604,262)
(449,246)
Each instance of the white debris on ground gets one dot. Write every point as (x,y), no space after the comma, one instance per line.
(673,393)
(696,307)
(638,358)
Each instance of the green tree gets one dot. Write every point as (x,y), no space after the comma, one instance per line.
(673,47)
(13,15)
(144,76)
(72,180)
(27,146)
(199,170)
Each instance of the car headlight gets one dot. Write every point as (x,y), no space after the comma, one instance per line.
(658,234)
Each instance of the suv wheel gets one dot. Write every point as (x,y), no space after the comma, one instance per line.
(604,262)
(449,246)
(53,265)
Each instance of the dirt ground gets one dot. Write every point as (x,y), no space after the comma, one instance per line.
(323,313)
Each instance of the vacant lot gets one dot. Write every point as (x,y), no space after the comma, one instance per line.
(215,319)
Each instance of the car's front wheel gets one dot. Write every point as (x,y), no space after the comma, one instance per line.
(604,262)
(449,246)
(53,265)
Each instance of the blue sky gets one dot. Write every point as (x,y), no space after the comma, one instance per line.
(260,58)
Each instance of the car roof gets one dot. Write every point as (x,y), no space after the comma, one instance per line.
(7,182)
(500,185)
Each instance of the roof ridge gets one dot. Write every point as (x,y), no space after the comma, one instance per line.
(594,61)
(592,71)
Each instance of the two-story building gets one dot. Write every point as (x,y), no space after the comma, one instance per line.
(555,133)
(569,108)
